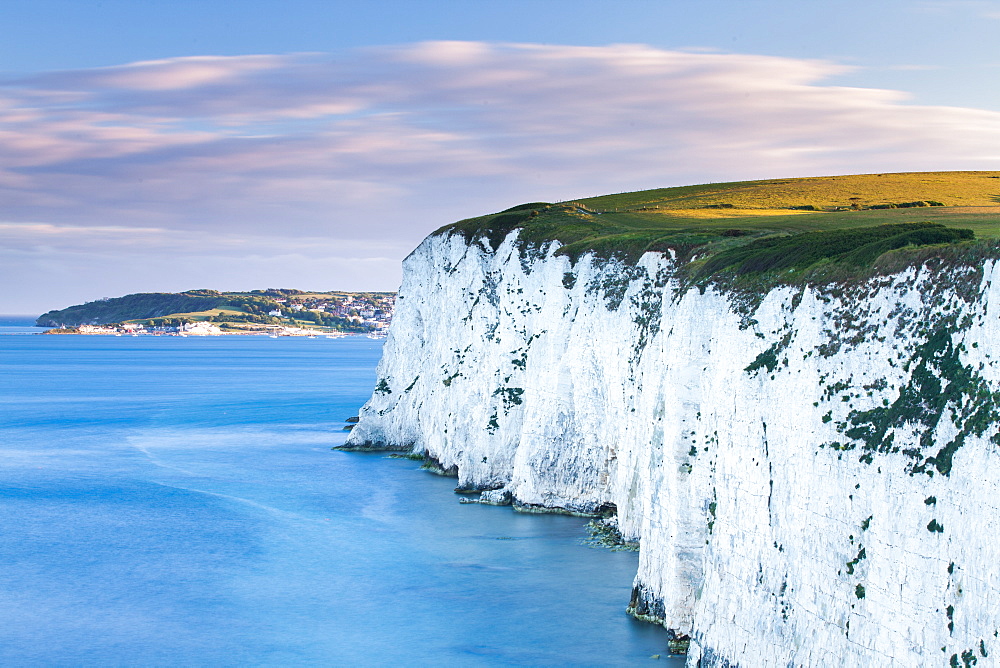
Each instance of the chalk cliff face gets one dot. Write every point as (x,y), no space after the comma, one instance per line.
(812,473)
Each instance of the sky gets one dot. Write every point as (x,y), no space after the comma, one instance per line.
(160,146)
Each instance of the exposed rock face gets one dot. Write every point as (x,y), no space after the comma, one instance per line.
(813,477)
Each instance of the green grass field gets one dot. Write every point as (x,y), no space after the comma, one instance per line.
(197,316)
(713,219)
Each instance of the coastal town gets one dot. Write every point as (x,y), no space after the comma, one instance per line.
(273,312)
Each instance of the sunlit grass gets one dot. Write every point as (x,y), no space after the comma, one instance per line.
(824,192)
(709,214)
(709,219)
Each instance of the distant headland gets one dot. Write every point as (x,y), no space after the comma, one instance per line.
(276,312)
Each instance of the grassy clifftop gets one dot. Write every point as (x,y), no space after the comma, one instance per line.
(822,221)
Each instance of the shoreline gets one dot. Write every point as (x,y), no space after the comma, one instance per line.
(323,335)
(307,335)
(273,332)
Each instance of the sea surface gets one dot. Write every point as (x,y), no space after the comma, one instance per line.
(169,501)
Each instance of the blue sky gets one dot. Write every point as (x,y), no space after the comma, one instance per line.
(162,146)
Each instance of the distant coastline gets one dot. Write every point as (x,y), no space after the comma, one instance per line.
(272,312)
(198,329)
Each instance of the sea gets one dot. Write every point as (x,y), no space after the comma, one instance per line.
(170,501)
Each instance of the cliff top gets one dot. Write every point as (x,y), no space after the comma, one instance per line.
(831,219)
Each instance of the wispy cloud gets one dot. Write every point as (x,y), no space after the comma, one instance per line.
(389,143)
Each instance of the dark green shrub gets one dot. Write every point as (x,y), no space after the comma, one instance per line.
(857,246)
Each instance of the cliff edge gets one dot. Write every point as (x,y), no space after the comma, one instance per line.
(807,464)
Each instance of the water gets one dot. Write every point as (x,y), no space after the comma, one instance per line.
(174,501)
(19,324)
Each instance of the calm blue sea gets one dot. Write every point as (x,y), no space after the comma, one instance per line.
(174,501)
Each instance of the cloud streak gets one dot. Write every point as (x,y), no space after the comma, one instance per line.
(391,142)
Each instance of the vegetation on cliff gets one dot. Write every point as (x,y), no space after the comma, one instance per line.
(807,227)
(834,233)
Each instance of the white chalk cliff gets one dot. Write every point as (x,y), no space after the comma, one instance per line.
(812,473)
